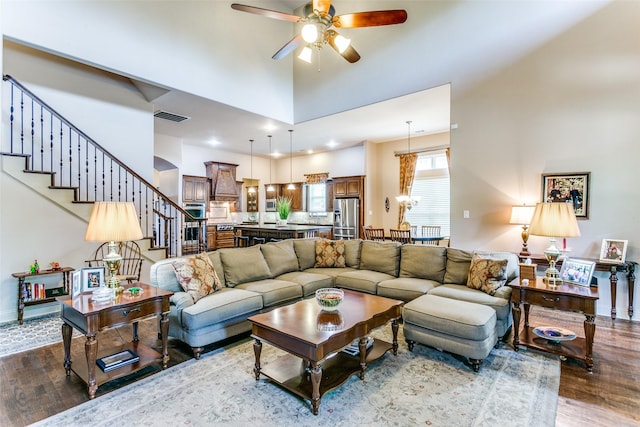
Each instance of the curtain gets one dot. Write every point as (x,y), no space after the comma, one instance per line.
(407,173)
(316,178)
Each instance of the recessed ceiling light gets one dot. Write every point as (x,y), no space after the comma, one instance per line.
(332,144)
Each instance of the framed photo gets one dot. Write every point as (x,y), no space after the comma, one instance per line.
(568,188)
(76,283)
(613,251)
(92,278)
(577,271)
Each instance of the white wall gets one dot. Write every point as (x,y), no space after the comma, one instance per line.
(200,47)
(570,106)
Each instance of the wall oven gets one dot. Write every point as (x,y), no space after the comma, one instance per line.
(191,229)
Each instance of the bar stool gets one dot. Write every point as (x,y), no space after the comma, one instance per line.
(258,240)
(241,241)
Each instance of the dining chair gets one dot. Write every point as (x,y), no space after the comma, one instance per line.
(431,231)
(371,233)
(131,264)
(402,236)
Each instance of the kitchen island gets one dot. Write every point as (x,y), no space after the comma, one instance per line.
(290,231)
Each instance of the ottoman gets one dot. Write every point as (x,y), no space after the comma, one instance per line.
(458,327)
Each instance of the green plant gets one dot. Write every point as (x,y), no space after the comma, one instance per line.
(283,206)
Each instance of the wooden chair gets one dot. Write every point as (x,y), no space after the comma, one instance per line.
(431,231)
(371,233)
(402,236)
(131,263)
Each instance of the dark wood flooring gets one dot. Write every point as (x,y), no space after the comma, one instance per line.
(33,385)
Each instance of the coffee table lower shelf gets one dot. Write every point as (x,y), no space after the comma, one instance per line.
(576,348)
(290,371)
(147,356)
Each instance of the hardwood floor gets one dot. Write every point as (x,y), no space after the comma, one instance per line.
(33,385)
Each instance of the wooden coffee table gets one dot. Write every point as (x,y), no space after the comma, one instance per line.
(89,318)
(306,332)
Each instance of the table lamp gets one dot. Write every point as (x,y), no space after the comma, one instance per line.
(113,222)
(553,220)
(522,215)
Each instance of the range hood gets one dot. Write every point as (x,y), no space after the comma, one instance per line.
(224,187)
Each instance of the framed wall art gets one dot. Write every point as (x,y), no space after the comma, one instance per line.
(577,271)
(613,251)
(572,187)
(92,278)
(76,283)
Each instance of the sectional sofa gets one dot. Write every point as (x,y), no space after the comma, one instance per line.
(259,278)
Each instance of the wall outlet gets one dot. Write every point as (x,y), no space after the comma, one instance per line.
(465,214)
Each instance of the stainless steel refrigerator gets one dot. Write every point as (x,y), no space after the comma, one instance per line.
(346,217)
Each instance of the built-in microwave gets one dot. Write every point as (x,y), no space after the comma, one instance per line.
(196,210)
(270,205)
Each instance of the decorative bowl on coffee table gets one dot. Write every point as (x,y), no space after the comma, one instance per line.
(329,298)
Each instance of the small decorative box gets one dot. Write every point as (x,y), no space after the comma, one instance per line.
(528,271)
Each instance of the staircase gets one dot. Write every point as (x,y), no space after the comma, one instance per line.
(47,153)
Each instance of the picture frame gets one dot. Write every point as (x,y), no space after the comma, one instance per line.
(613,251)
(577,271)
(76,283)
(92,278)
(568,187)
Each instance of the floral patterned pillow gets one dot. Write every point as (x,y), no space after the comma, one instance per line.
(330,253)
(487,274)
(197,276)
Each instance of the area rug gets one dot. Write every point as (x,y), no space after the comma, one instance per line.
(33,333)
(423,387)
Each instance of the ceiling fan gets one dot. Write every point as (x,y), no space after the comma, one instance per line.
(319,18)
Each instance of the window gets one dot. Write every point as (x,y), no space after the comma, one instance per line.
(317,194)
(431,184)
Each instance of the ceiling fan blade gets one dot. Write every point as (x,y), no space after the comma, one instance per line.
(370,19)
(266,12)
(350,54)
(292,45)
(322,6)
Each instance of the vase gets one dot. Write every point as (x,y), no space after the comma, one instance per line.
(281,222)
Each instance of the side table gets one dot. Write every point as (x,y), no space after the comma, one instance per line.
(22,299)
(89,318)
(628,267)
(563,296)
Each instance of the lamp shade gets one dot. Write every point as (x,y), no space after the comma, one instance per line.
(113,222)
(521,214)
(554,220)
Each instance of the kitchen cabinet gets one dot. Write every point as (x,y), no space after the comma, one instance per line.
(195,189)
(350,186)
(275,193)
(252,201)
(211,238)
(329,201)
(296,195)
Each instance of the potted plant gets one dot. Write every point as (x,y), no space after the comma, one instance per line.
(283,207)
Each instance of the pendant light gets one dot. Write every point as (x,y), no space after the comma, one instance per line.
(270,187)
(251,189)
(291,186)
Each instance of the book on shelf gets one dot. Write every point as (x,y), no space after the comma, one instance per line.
(117,360)
(353,349)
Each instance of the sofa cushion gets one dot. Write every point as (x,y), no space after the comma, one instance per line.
(214,256)
(405,288)
(362,280)
(500,302)
(487,274)
(352,251)
(243,265)
(306,252)
(423,262)
(458,263)
(329,253)
(310,282)
(383,257)
(197,276)
(221,306)
(273,291)
(280,256)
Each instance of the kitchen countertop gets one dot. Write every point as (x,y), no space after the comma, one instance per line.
(288,227)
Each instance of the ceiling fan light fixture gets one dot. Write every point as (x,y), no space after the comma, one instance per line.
(310,33)
(342,43)
(305,54)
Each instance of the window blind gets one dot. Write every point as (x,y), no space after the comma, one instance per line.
(434,205)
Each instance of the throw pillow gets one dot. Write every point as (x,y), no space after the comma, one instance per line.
(330,253)
(487,274)
(197,276)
